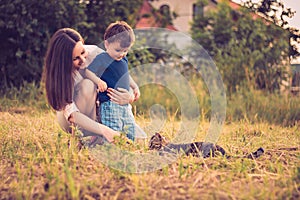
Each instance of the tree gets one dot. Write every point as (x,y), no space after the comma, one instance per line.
(25,28)
(27,25)
(100,13)
(276,12)
(248,52)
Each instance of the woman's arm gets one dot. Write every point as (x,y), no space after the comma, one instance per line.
(92,126)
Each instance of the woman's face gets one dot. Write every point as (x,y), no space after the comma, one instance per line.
(79,55)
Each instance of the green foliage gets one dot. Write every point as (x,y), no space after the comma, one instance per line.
(157,95)
(27,25)
(276,12)
(26,95)
(139,54)
(257,106)
(25,28)
(248,52)
(254,105)
(100,13)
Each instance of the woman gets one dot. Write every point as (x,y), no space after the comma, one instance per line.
(67,90)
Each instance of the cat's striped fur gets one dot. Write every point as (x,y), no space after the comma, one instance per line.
(204,149)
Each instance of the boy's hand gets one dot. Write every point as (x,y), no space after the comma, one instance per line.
(102,86)
(136,93)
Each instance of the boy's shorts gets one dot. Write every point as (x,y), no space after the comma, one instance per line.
(118,117)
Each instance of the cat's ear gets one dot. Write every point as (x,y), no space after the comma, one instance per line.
(152,137)
(157,134)
(164,140)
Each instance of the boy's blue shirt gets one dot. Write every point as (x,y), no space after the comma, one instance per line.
(114,73)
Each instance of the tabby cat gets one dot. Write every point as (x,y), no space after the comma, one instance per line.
(204,149)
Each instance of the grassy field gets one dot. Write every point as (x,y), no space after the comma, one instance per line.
(36,163)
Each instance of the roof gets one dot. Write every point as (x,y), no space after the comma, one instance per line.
(236,6)
(148,17)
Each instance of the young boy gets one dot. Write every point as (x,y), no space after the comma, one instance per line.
(111,67)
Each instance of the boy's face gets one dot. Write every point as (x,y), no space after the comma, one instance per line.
(115,50)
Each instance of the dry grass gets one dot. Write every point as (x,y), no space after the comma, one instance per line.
(36,163)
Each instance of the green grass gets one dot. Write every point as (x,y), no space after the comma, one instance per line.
(37,163)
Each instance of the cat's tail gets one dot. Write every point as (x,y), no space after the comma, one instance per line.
(260,151)
(256,154)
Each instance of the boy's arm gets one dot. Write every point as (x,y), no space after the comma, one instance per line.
(86,73)
(132,83)
(135,88)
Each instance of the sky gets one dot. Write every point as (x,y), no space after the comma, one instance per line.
(294,5)
(295,21)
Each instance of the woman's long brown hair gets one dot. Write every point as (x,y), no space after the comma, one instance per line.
(59,70)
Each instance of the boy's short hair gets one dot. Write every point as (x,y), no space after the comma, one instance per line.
(120,31)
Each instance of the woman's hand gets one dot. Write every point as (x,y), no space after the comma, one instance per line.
(111,137)
(120,96)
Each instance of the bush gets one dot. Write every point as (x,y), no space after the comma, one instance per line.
(25,28)
(262,106)
(26,95)
(27,25)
